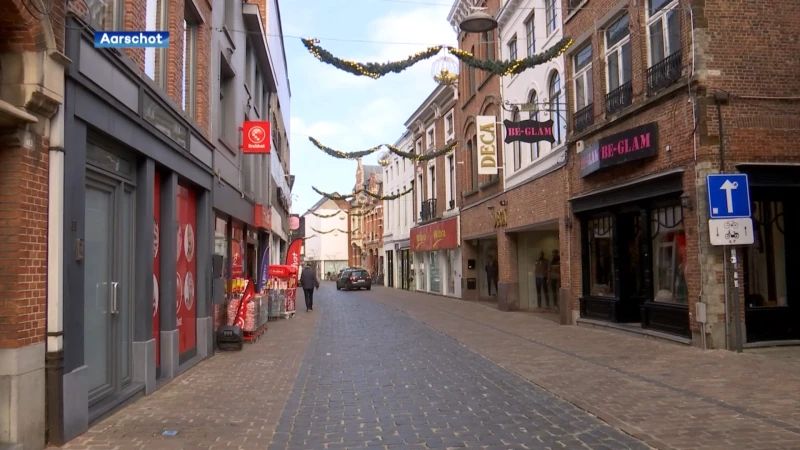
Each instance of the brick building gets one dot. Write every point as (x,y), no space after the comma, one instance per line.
(479,97)
(649,83)
(366,220)
(435,245)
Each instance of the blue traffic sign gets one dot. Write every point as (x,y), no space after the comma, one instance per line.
(728,195)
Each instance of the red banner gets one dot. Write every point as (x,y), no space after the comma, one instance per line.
(156,265)
(241,311)
(440,235)
(185,303)
(293,259)
(237,253)
(256,137)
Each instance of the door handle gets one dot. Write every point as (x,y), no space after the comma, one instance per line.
(114,309)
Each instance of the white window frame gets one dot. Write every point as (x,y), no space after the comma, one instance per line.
(405,206)
(512,48)
(430,177)
(582,76)
(616,48)
(530,35)
(451,133)
(430,137)
(155,59)
(450,181)
(551,8)
(419,147)
(661,15)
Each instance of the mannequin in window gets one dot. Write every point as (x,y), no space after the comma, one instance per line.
(542,270)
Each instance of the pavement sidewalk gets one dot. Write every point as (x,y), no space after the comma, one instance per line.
(668,395)
(233,400)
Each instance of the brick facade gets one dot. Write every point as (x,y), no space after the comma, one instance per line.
(759,120)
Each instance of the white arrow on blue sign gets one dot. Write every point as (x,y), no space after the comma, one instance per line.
(728,195)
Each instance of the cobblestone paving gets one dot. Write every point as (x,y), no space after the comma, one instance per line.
(668,395)
(231,401)
(374,377)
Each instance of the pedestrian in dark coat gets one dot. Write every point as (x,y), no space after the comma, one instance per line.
(309,282)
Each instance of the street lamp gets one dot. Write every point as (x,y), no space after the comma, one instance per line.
(478,22)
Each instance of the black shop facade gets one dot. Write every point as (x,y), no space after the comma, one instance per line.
(632,234)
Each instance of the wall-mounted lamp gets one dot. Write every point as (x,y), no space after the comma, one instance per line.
(686,202)
(503,203)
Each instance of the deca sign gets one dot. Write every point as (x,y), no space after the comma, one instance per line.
(256,137)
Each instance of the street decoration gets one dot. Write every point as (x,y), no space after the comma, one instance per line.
(425,156)
(530,131)
(337,196)
(343,155)
(325,216)
(329,231)
(362,153)
(377,70)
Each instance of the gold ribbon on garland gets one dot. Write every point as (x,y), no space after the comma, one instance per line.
(377,70)
(329,231)
(343,155)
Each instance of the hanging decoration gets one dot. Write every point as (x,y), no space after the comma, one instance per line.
(343,155)
(325,216)
(390,197)
(335,195)
(372,70)
(425,156)
(377,70)
(362,213)
(445,70)
(329,231)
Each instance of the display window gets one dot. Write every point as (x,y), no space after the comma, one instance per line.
(601,260)
(669,255)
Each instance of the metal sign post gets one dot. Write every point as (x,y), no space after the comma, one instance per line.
(730,225)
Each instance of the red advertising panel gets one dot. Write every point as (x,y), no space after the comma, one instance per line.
(185,303)
(283,279)
(237,255)
(293,259)
(156,266)
(256,137)
(441,235)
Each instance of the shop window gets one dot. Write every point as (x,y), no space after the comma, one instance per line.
(765,261)
(601,258)
(434,271)
(221,243)
(669,255)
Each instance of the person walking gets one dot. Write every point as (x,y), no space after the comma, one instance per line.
(309,282)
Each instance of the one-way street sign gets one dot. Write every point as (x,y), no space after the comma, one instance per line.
(728,195)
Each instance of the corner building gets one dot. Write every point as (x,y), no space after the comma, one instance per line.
(435,244)
(659,99)
(479,95)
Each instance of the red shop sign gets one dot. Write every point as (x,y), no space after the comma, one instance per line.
(263,217)
(435,236)
(256,137)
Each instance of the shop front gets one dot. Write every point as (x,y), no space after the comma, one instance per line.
(138,209)
(405,264)
(436,263)
(633,237)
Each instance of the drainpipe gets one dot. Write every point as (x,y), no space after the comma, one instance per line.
(721,97)
(54,359)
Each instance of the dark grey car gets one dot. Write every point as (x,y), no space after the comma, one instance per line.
(354,279)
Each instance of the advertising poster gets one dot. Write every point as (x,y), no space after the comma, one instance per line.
(293,259)
(237,255)
(185,303)
(156,266)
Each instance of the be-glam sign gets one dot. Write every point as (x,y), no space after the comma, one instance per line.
(530,131)
(487,145)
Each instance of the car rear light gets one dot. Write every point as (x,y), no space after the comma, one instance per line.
(352,278)
(369,277)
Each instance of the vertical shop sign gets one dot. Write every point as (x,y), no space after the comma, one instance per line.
(237,255)
(186,310)
(293,259)
(487,145)
(156,266)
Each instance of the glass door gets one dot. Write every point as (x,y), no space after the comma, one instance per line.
(108,284)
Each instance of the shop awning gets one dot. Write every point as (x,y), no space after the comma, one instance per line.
(648,186)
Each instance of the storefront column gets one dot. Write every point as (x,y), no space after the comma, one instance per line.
(144,346)
(205,248)
(508,285)
(168,245)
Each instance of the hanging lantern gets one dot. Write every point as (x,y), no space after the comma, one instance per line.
(445,70)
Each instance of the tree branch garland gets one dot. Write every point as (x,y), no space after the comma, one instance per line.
(336,196)
(390,197)
(425,156)
(329,231)
(343,155)
(325,216)
(363,213)
(377,70)
(372,69)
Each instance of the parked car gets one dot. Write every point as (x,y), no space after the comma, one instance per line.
(354,279)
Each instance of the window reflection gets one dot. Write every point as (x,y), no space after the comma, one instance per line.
(669,255)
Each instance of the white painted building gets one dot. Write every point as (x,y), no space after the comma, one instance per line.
(326,237)
(528,27)
(398,215)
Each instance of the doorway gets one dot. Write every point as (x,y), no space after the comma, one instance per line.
(108,283)
(390,268)
(631,244)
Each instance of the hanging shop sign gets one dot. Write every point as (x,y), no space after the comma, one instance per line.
(440,235)
(487,145)
(530,131)
(262,217)
(500,218)
(620,148)
(256,137)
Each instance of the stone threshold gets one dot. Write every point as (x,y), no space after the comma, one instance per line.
(787,343)
(633,329)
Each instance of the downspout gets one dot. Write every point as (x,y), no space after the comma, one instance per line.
(54,359)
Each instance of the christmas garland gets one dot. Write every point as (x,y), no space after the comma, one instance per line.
(329,231)
(377,70)
(390,197)
(372,70)
(425,156)
(513,66)
(343,155)
(364,213)
(336,196)
(325,216)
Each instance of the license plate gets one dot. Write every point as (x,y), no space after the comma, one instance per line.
(359,281)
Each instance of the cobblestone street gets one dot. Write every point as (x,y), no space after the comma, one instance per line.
(398,370)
